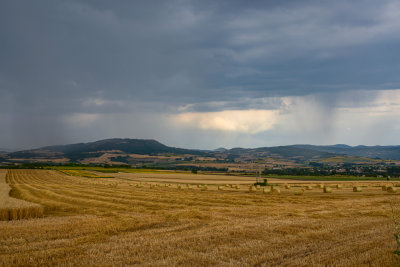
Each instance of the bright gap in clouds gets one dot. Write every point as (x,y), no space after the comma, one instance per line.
(356,117)
(240,121)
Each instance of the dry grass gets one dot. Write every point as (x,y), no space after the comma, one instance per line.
(14,209)
(90,222)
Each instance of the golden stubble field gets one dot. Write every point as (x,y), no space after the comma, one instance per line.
(128,221)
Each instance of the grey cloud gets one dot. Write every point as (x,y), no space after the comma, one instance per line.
(157,56)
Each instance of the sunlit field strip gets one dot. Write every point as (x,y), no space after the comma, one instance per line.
(125,197)
(82,195)
(156,195)
(175,193)
(100,192)
(103,197)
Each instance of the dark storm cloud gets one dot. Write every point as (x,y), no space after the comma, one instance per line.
(63,57)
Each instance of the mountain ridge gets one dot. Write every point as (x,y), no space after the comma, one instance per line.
(79,151)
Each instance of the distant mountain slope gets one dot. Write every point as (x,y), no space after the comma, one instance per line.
(5,150)
(76,152)
(85,150)
(382,152)
(288,152)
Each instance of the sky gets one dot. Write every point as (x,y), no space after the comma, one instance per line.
(200,74)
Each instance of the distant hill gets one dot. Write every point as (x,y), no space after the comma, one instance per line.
(86,150)
(381,152)
(123,148)
(286,152)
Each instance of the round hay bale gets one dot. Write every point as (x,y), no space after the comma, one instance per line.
(327,189)
(392,189)
(237,186)
(339,186)
(299,192)
(357,189)
(287,186)
(252,188)
(321,186)
(309,187)
(204,188)
(384,188)
(276,190)
(220,188)
(258,187)
(266,190)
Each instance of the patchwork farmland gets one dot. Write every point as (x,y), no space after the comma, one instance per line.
(158,219)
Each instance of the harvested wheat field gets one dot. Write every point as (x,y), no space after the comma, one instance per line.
(12,208)
(118,221)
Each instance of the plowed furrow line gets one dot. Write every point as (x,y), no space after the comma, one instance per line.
(79,202)
(36,197)
(126,203)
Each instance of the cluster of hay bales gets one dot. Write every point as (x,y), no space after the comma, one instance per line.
(272,188)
